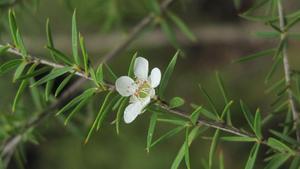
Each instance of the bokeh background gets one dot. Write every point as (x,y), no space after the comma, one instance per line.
(222,36)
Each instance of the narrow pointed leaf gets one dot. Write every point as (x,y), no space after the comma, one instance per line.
(19,70)
(167,135)
(49,38)
(182,26)
(75,39)
(59,55)
(79,106)
(186,149)
(277,161)
(94,125)
(63,84)
(151,129)
(10,65)
(176,102)
(12,26)
(213,147)
(193,134)
(257,124)
(278,145)
(268,52)
(252,157)
(167,75)
(238,139)
(88,93)
(84,54)
(130,69)
(52,75)
(21,89)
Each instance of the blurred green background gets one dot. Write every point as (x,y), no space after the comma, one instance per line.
(222,36)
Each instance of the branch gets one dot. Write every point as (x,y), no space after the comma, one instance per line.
(160,103)
(287,70)
(78,83)
(11,144)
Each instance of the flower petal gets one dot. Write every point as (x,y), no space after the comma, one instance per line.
(152,93)
(132,111)
(141,67)
(155,77)
(145,102)
(125,86)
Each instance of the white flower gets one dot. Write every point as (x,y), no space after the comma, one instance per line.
(140,90)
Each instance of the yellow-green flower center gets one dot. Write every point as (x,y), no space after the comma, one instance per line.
(143,90)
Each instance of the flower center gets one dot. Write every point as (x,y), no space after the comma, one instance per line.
(143,90)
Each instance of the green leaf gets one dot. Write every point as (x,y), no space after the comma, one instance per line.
(3,49)
(225,96)
(151,129)
(167,75)
(53,74)
(239,139)
(154,7)
(277,161)
(195,115)
(168,135)
(176,102)
(35,73)
(119,114)
(209,99)
(102,108)
(252,157)
(257,124)
(21,45)
(13,26)
(19,70)
(59,55)
(292,23)
(268,34)
(75,39)
(275,86)
(193,134)
(221,160)
(86,94)
(21,89)
(286,138)
(273,69)
(106,110)
(182,26)
(247,113)
(226,109)
(37,96)
(63,84)
(169,32)
(186,149)
(96,121)
(48,88)
(213,147)
(206,112)
(268,52)
(82,103)
(9,65)
(278,51)
(131,66)
(49,38)
(173,121)
(111,73)
(99,74)
(295,163)
(84,54)
(278,145)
